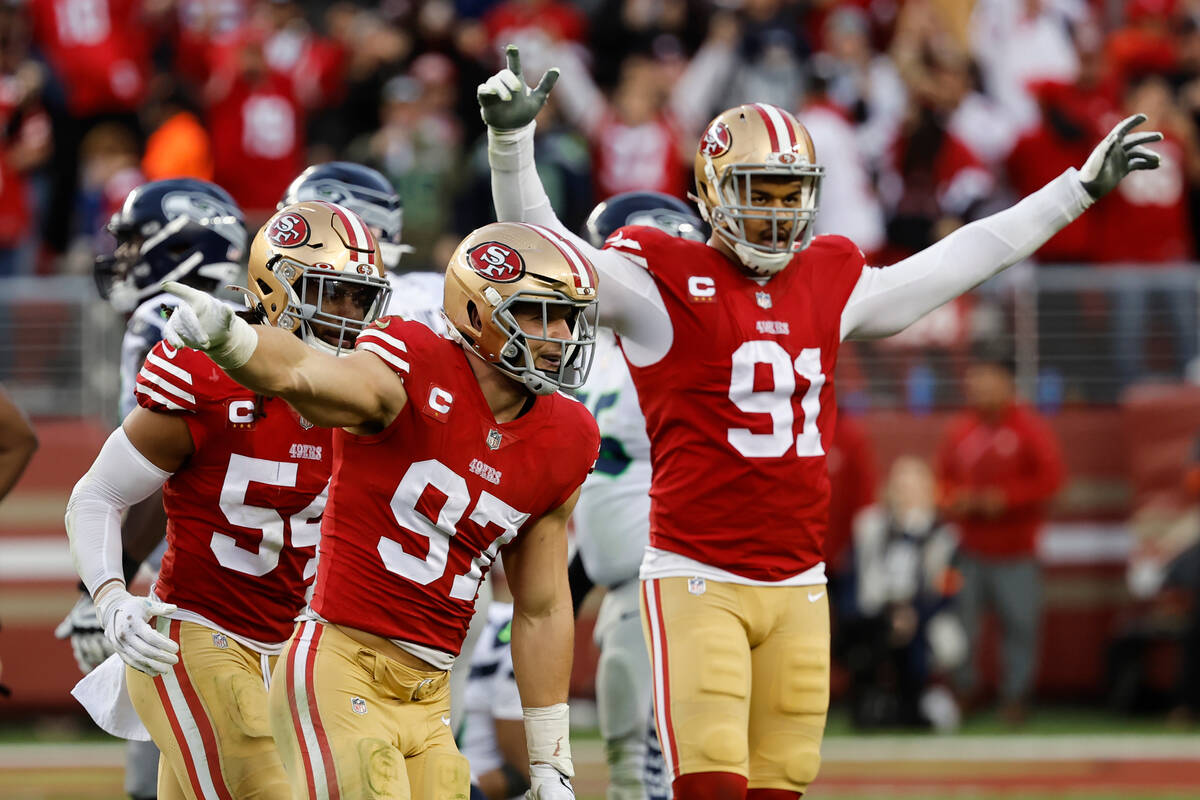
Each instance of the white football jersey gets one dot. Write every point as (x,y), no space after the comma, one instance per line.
(142,332)
(612,519)
(418,296)
(491,692)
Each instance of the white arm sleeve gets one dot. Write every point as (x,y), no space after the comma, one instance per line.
(119,477)
(630,302)
(886,301)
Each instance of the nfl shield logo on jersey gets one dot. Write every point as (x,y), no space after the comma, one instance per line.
(219,641)
(358,705)
(763,299)
(493,439)
(696,585)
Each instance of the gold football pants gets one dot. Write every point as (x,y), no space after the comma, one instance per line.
(741,678)
(353,724)
(208,716)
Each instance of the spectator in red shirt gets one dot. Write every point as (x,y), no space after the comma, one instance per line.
(256,122)
(999,465)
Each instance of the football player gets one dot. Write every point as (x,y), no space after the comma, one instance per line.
(180,229)
(612,520)
(732,346)
(415,295)
(447,450)
(244,481)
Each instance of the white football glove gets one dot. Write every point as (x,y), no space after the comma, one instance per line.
(547,783)
(204,323)
(82,627)
(124,618)
(1117,155)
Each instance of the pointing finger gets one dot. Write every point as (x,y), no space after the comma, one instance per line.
(512,56)
(546,83)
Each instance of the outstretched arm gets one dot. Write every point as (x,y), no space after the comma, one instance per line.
(886,301)
(630,302)
(357,391)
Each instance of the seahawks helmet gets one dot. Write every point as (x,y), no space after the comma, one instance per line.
(181,229)
(655,209)
(363,190)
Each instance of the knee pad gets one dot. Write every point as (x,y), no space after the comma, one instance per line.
(245,701)
(623,681)
(725,744)
(382,769)
(447,776)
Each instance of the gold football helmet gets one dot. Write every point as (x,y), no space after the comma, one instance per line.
(315,268)
(501,267)
(748,142)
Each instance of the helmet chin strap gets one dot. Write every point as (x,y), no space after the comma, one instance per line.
(760,263)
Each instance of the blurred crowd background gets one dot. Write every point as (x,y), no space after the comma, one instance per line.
(926,114)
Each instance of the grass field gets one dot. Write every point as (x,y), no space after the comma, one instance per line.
(1060,755)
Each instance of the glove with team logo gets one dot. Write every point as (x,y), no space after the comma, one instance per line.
(204,323)
(506,102)
(125,620)
(82,626)
(1117,155)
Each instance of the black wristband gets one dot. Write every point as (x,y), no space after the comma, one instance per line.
(515,782)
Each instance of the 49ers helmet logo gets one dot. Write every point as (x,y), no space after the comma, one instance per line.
(288,230)
(496,262)
(717,140)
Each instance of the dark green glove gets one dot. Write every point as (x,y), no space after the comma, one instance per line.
(506,102)
(1117,155)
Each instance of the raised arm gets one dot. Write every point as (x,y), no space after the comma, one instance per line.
(630,302)
(357,391)
(886,301)
(543,634)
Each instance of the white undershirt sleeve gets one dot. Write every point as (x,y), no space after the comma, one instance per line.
(886,301)
(630,302)
(119,477)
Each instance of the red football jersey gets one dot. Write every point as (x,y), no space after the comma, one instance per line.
(418,512)
(741,410)
(244,511)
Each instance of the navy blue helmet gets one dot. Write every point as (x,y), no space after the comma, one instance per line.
(655,209)
(180,229)
(363,190)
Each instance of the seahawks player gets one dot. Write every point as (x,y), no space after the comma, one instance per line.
(179,229)
(368,192)
(612,523)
